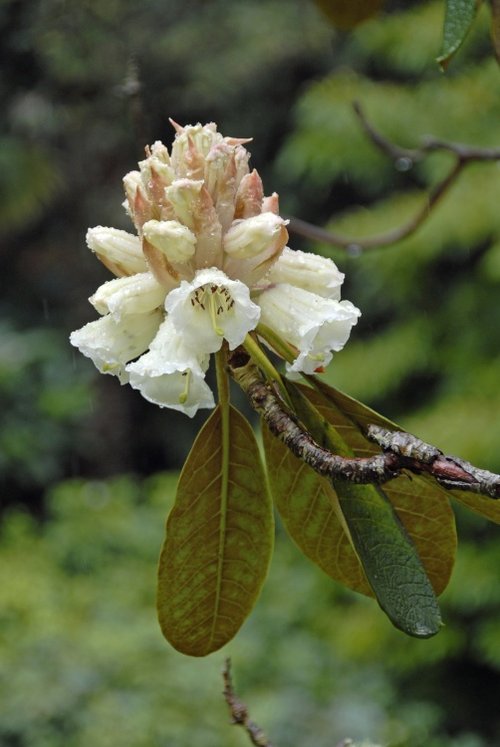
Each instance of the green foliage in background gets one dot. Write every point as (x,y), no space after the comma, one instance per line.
(427,350)
(82,660)
(42,400)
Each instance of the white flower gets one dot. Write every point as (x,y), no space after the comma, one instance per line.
(315,325)
(210,309)
(111,344)
(208,261)
(170,374)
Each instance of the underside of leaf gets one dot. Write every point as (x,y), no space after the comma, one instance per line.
(422,505)
(305,502)
(218,541)
(366,518)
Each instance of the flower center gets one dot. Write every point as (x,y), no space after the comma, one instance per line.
(215,299)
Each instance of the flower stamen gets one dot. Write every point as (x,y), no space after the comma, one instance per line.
(218,301)
(183,396)
(215,310)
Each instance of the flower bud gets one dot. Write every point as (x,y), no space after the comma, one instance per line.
(191,138)
(250,237)
(118,250)
(153,169)
(130,183)
(173,239)
(184,194)
(137,294)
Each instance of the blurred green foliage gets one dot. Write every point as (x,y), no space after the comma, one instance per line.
(42,401)
(82,660)
(429,332)
(83,87)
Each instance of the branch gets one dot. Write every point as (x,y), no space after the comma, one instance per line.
(464,154)
(402,451)
(239,711)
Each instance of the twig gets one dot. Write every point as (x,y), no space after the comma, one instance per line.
(402,451)
(429,144)
(450,471)
(464,154)
(239,711)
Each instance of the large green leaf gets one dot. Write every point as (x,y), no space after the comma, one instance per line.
(419,501)
(219,538)
(390,560)
(309,509)
(458,19)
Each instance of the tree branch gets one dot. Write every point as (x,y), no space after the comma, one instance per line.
(401,451)
(464,154)
(239,711)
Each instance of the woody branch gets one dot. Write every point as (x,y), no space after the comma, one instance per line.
(401,451)
(463,155)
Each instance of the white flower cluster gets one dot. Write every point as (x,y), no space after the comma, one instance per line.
(208,262)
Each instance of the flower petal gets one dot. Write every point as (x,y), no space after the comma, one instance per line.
(252,236)
(253,246)
(194,208)
(316,326)
(111,344)
(118,250)
(212,308)
(307,271)
(170,374)
(173,239)
(137,294)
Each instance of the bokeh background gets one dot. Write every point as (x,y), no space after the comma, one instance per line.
(88,469)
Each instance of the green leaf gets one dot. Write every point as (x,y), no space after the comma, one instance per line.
(390,560)
(309,509)
(489,508)
(458,20)
(219,538)
(389,557)
(422,505)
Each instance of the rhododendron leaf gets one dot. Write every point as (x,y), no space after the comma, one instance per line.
(219,538)
(480,504)
(389,557)
(308,506)
(420,502)
(459,16)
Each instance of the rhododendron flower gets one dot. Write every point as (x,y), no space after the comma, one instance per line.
(207,262)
